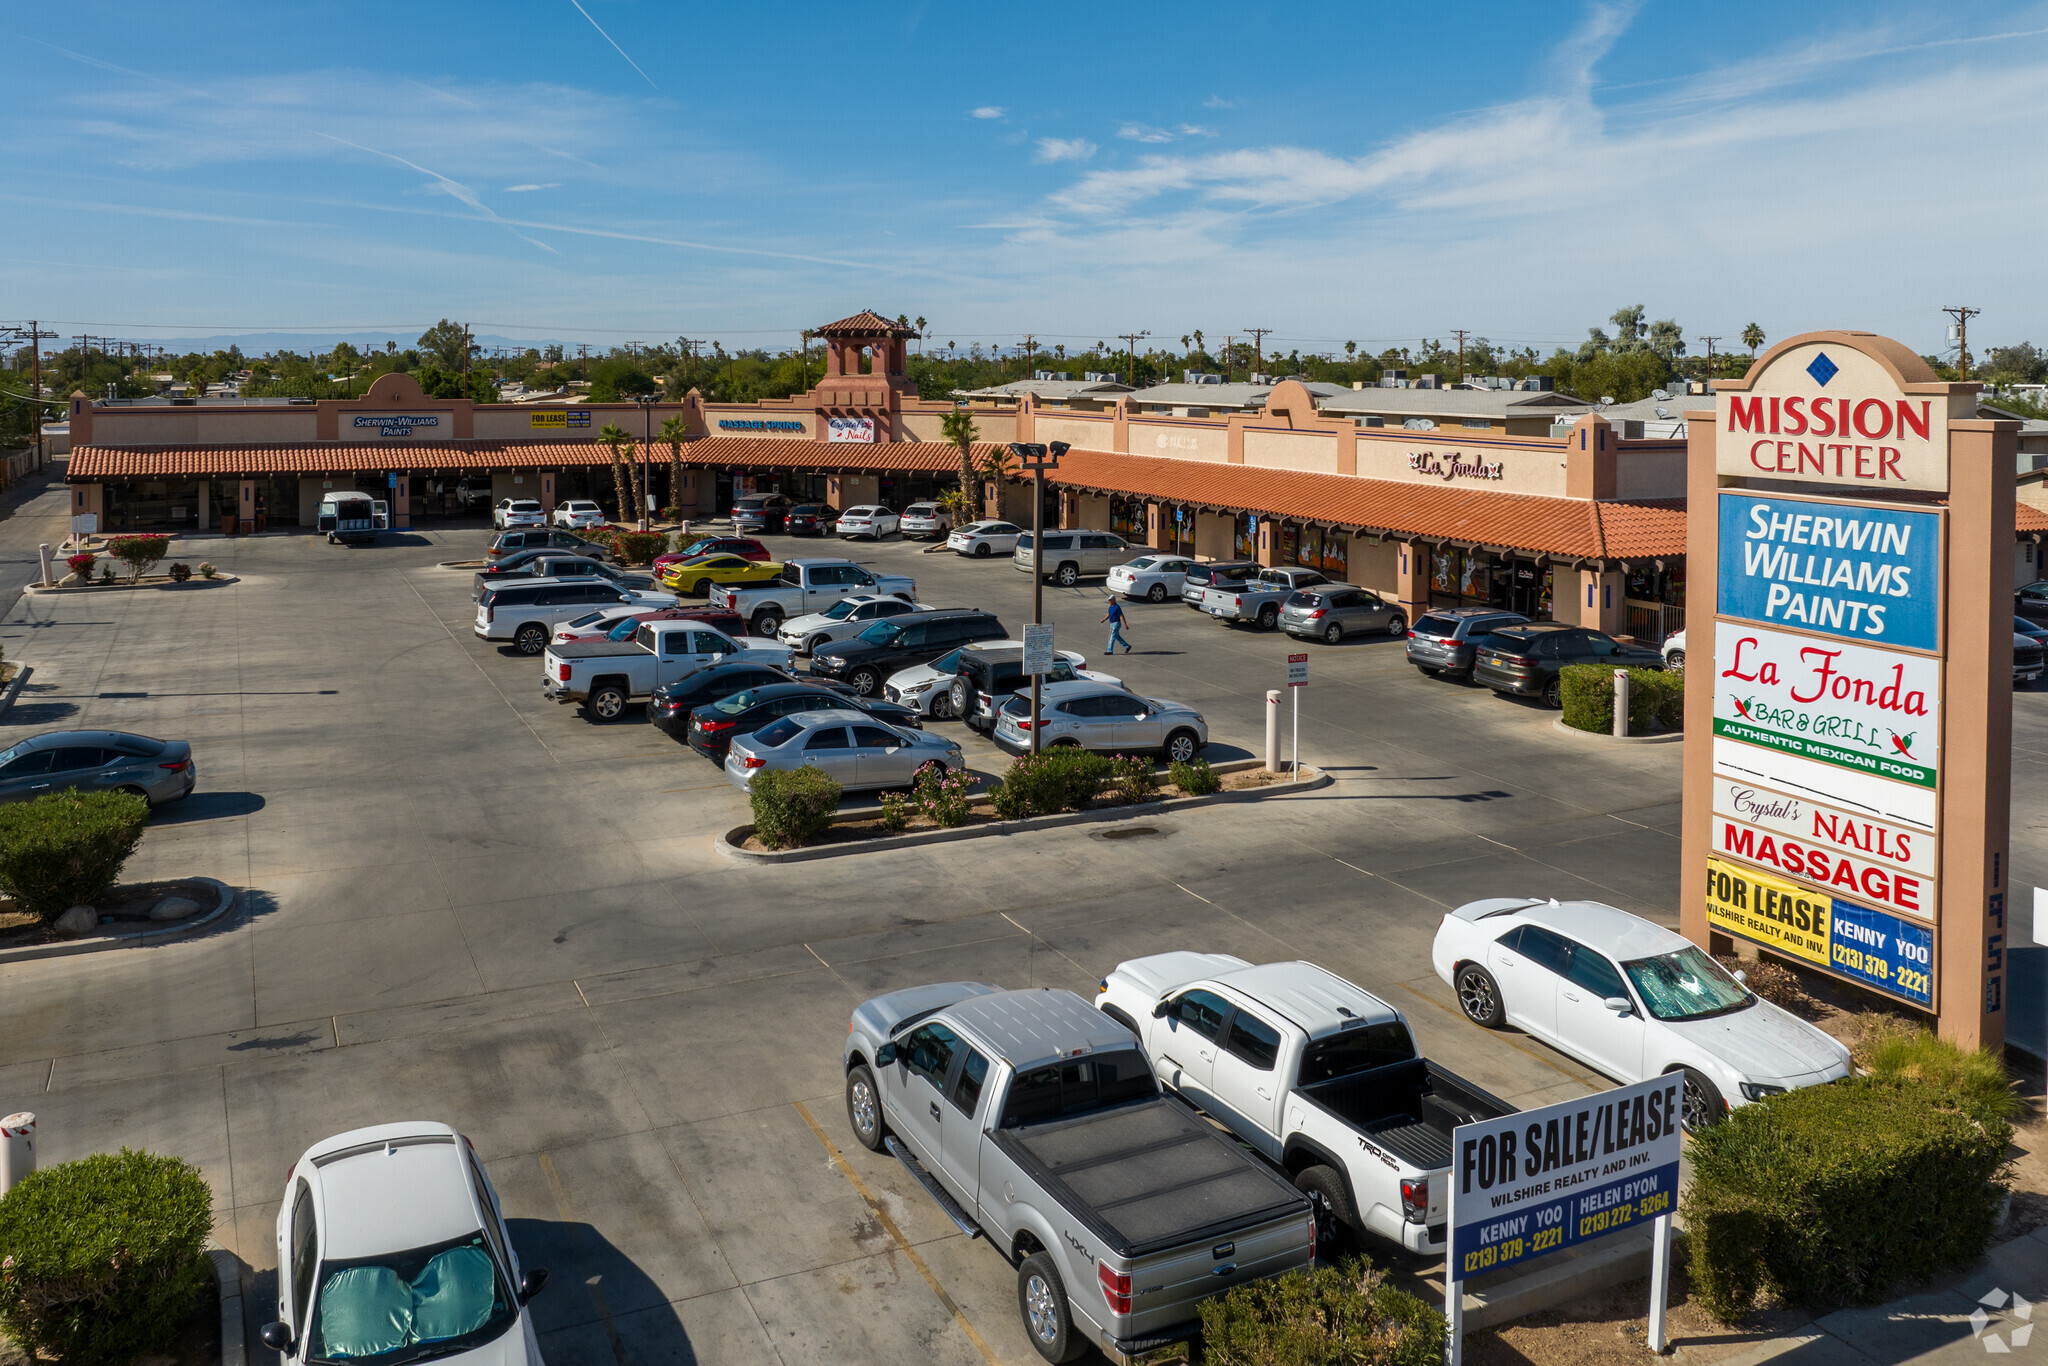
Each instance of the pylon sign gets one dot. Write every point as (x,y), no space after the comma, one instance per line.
(1848,725)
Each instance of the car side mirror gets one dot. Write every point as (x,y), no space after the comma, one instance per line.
(885,1056)
(1159,1011)
(276,1336)
(1619,1005)
(532,1283)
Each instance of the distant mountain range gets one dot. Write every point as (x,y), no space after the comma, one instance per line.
(255,344)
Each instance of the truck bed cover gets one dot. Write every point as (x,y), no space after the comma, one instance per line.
(1150,1176)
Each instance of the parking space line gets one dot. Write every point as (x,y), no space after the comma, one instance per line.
(882,1217)
(604,1311)
(1553,1065)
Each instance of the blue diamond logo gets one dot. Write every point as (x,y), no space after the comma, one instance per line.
(1822,369)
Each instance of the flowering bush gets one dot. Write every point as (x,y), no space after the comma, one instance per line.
(895,811)
(81,564)
(139,552)
(944,795)
(180,572)
(207,571)
(1132,778)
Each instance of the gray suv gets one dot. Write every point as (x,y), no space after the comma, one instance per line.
(1104,718)
(1331,611)
(1445,642)
(1071,554)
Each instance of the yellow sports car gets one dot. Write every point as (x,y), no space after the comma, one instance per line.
(693,578)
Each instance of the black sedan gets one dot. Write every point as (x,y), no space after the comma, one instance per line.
(811,519)
(670,706)
(713,726)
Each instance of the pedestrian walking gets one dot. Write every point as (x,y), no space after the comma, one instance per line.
(1115,618)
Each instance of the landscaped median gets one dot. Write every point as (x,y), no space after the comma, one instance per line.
(1656,703)
(798,813)
(139,556)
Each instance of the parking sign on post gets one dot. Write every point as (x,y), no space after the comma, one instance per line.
(1297,678)
(1037,650)
(1297,671)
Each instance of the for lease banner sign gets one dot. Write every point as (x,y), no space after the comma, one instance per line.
(1868,574)
(1876,712)
(1533,1183)
(1768,910)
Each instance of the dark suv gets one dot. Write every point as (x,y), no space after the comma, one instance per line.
(760,512)
(1527,659)
(865,662)
(987,677)
(542,538)
(1213,574)
(1444,642)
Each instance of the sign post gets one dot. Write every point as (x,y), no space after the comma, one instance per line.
(1849,731)
(1297,679)
(1539,1181)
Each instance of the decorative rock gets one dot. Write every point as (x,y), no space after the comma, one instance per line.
(174,908)
(79,920)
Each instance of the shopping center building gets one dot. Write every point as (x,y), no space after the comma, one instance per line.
(1562,513)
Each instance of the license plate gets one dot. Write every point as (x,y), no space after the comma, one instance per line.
(2030,675)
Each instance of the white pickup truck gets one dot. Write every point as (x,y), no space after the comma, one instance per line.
(1257,600)
(1317,1074)
(1034,1119)
(805,586)
(605,675)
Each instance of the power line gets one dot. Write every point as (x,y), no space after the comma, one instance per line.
(1258,340)
(1461,353)
(1131,375)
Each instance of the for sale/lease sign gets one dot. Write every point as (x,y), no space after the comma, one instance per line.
(1870,711)
(1863,573)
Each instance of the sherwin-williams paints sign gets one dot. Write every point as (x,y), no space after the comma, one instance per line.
(1867,574)
(1876,712)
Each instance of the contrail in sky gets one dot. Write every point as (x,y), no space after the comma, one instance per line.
(609,39)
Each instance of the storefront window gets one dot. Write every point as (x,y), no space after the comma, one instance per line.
(1127,518)
(1473,577)
(1290,538)
(1336,555)
(1443,571)
(1308,547)
(1243,543)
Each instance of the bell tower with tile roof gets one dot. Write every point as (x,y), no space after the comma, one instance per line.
(846,391)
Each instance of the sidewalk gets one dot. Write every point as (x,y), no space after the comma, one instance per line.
(1934,1327)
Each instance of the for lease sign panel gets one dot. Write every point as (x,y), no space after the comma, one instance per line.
(1529,1184)
(1867,574)
(1768,910)
(1876,712)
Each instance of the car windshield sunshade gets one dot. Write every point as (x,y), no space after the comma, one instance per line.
(369,1309)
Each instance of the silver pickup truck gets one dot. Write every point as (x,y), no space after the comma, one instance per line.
(1032,1117)
(1255,600)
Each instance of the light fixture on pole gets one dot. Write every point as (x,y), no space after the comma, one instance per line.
(647,403)
(1037,459)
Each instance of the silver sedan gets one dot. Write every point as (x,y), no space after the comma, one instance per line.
(157,771)
(850,746)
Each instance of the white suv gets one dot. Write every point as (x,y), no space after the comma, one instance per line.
(578,513)
(526,613)
(511,512)
(391,1242)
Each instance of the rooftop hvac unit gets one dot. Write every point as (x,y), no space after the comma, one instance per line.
(1372,420)
(1261,379)
(1045,374)
(1426,381)
(1540,384)
(1419,424)
(1208,379)
(1393,374)
(1099,377)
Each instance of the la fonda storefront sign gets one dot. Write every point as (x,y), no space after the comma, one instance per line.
(1828,413)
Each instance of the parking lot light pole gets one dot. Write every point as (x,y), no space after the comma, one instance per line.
(1038,459)
(646,402)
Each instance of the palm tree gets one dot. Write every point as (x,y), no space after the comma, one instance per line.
(1184,341)
(1351,350)
(920,335)
(674,432)
(1752,337)
(615,436)
(958,427)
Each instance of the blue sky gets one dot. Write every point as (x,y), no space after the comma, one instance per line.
(626,169)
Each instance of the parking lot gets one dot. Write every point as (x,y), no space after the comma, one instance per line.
(464,902)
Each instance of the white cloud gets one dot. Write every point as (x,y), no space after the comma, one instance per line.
(1196,130)
(1064,149)
(1218,102)
(1143,132)
(986,111)
(522,189)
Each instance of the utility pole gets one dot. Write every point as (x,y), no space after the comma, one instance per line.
(1962,314)
(1709,341)
(465,360)
(1258,345)
(1035,459)
(1461,354)
(1030,351)
(1229,353)
(1133,338)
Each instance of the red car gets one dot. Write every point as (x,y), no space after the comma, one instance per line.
(745,547)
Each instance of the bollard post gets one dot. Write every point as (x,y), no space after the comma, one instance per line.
(17,1149)
(1272,730)
(43,552)
(1621,702)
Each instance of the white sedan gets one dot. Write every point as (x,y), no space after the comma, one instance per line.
(926,519)
(1629,999)
(391,1244)
(982,539)
(594,625)
(843,620)
(1154,578)
(511,512)
(928,687)
(873,520)
(578,514)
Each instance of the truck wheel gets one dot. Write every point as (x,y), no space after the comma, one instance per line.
(1067,575)
(865,682)
(1269,617)
(1702,1106)
(1042,1300)
(530,639)
(607,703)
(864,1108)
(1334,1217)
(957,691)
(1479,997)
(767,622)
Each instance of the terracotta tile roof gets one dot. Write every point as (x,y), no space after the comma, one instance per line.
(866,323)
(1557,526)
(2029,518)
(93,463)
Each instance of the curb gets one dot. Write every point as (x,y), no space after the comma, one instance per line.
(1557,723)
(99,942)
(227,1273)
(194,582)
(728,842)
(14,688)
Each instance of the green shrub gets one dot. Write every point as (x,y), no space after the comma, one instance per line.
(638,547)
(1344,1315)
(944,796)
(1196,777)
(1132,778)
(138,552)
(793,806)
(105,1256)
(1065,778)
(1653,695)
(1838,1193)
(1975,1080)
(895,811)
(65,849)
